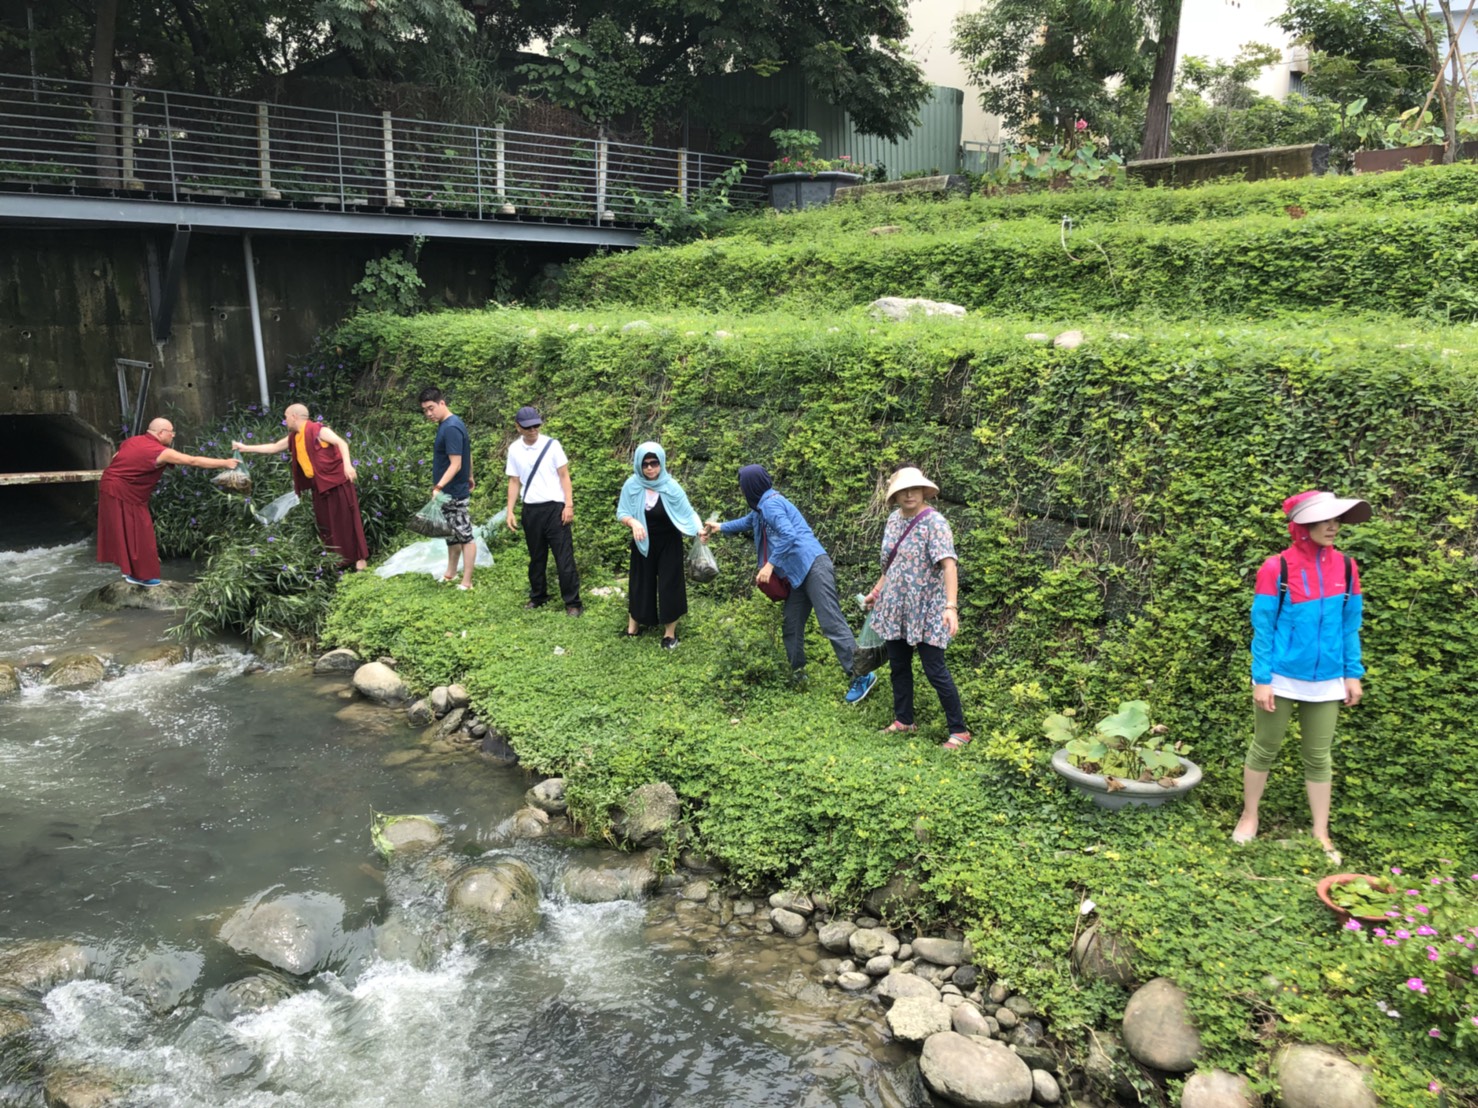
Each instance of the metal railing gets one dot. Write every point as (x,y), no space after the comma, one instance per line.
(150,144)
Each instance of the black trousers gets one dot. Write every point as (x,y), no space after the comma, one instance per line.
(900,660)
(543,532)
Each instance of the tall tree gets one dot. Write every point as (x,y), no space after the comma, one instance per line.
(106,145)
(1359,50)
(1156,140)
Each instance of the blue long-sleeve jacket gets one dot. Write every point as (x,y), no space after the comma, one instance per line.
(793,545)
(1316,636)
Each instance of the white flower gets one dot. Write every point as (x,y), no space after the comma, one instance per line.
(1086,907)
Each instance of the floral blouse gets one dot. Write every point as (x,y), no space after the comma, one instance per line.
(912,605)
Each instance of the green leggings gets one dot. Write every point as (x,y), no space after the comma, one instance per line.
(1316,730)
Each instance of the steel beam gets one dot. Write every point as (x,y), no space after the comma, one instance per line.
(246,218)
(55,477)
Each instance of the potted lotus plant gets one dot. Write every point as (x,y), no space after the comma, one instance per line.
(1123,760)
(798,178)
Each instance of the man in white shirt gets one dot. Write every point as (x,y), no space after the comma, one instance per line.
(539,471)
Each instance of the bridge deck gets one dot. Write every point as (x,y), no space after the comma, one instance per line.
(54,477)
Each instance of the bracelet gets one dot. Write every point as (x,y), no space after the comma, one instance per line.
(947,607)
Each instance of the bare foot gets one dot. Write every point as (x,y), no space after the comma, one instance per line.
(1246,829)
(1326,844)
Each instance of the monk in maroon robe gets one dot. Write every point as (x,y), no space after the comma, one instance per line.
(320,463)
(125,528)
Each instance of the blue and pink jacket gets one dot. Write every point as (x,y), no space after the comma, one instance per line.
(1316,636)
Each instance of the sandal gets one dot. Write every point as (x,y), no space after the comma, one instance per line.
(1330,851)
(446,578)
(958,741)
(896,728)
(463,588)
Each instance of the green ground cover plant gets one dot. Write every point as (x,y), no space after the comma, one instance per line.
(1352,259)
(1110,505)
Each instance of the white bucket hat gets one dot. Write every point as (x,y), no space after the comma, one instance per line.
(910,477)
(1325,505)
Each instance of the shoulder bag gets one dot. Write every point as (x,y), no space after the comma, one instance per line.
(777,588)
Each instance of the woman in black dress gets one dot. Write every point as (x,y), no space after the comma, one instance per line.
(656,509)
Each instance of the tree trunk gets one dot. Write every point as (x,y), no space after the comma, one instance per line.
(105,129)
(1156,140)
(1447,92)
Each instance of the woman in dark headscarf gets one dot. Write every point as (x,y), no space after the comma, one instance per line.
(786,547)
(656,509)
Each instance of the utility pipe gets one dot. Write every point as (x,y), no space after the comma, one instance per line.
(256,321)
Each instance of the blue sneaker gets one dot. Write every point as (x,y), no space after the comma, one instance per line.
(149,584)
(860,687)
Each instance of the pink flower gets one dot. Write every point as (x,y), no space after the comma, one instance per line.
(1434,1087)
(1422,908)
(1434,1033)
(1082,125)
(1413,892)
(1390,942)
(1424,930)
(1380,933)
(1432,954)
(1353,925)
(1396,871)
(1436,880)
(1403,934)
(1416,985)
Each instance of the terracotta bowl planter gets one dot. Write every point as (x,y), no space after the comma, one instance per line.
(1343,914)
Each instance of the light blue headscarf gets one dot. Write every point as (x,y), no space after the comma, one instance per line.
(633,501)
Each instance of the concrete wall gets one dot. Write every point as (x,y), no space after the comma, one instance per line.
(71,301)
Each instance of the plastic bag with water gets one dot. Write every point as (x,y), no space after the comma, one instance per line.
(278,508)
(429,521)
(871,651)
(701,564)
(236,480)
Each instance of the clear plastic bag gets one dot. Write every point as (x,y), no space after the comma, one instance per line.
(429,521)
(236,480)
(871,651)
(428,556)
(274,511)
(495,528)
(702,566)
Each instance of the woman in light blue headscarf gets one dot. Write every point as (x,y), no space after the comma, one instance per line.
(656,509)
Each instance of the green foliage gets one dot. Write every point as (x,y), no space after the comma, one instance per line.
(391,284)
(1359,49)
(672,220)
(1120,745)
(1361,898)
(1056,167)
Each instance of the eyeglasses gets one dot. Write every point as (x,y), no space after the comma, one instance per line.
(653,464)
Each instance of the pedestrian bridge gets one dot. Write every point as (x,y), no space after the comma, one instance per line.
(115,155)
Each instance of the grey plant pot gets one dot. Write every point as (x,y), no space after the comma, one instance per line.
(806,190)
(1138,793)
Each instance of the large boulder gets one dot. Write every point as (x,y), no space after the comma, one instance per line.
(162,979)
(394,834)
(897,986)
(1313,1076)
(869,942)
(912,1019)
(73,671)
(10,680)
(618,877)
(902,307)
(1157,1027)
(41,963)
(152,658)
(378,682)
(82,1087)
(976,1073)
(495,900)
(118,595)
(294,933)
(648,814)
(341,661)
(942,952)
(549,796)
(788,923)
(1218,1089)
(251,994)
(898,899)
(1103,956)
(834,936)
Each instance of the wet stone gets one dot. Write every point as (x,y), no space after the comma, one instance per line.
(696,890)
(339,661)
(853,982)
(791,924)
(879,966)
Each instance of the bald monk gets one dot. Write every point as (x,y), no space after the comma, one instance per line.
(320,461)
(125,528)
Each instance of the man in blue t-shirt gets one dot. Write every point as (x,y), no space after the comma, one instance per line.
(451,473)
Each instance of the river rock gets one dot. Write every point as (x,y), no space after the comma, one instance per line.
(378,682)
(294,933)
(696,861)
(338,661)
(162,978)
(496,749)
(118,595)
(1158,1030)
(852,981)
(1006,1018)
(1108,1067)
(451,723)
(647,814)
(967,1020)
(457,696)
(912,1019)
(998,993)
(251,994)
(900,307)
(899,897)
(419,714)
(789,923)
(617,877)
(834,936)
(526,823)
(159,656)
(880,966)
(869,942)
(942,952)
(1218,1089)
(13,1022)
(1315,1076)
(696,891)
(896,986)
(1045,1089)
(10,680)
(976,1073)
(498,900)
(401,833)
(965,977)
(1069,340)
(549,795)
(799,903)
(73,671)
(441,703)
(1103,956)
(41,963)
(1021,1006)
(82,1087)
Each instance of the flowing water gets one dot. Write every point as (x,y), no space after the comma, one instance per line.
(138,814)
